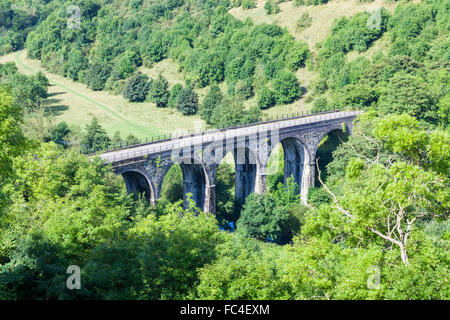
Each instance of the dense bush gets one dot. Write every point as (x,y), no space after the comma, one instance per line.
(230,112)
(266,98)
(286,87)
(59,207)
(271,7)
(248,4)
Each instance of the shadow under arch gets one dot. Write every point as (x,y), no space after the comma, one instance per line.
(290,158)
(247,168)
(137,183)
(194,180)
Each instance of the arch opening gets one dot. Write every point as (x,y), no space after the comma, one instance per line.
(226,212)
(172,185)
(136,183)
(246,169)
(194,182)
(286,160)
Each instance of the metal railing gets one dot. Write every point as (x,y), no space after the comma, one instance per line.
(192,132)
(139,154)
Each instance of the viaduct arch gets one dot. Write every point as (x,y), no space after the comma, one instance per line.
(143,167)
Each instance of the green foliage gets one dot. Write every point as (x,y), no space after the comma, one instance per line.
(320,104)
(261,218)
(16,22)
(225,184)
(299,3)
(159,92)
(97,74)
(386,221)
(126,64)
(353,34)
(95,138)
(28,91)
(271,7)
(11,138)
(410,79)
(172,187)
(187,102)
(286,87)
(304,22)
(163,254)
(114,41)
(136,88)
(407,94)
(77,63)
(244,89)
(297,56)
(402,134)
(230,112)
(266,98)
(173,96)
(248,4)
(59,133)
(244,270)
(210,103)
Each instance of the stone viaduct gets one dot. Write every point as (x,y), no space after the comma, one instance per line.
(143,167)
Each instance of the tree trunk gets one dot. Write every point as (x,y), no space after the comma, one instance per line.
(404,255)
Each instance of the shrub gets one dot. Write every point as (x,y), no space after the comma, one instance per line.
(95,138)
(266,98)
(261,218)
(271,7)
(304,22)
(244,89)
(248,4)
(320,104)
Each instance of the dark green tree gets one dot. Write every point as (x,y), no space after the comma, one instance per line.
(95,138)
(159,92)
(187,102)
(97,75)
(59,133)
(136,88)
(210,103)
(173,97)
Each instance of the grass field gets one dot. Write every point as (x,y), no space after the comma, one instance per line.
(76,104)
